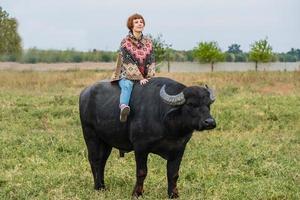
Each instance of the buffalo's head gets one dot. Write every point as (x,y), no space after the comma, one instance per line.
(193,105)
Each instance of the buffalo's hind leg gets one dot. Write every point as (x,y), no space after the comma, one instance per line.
(98,153)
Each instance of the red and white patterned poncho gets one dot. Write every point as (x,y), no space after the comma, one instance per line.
(136,59)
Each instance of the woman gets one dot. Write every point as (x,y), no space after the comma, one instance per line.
(135,62)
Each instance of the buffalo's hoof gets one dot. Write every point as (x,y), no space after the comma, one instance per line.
(137,195)
(137,192)
(174,196)
(101,187)
(134,198)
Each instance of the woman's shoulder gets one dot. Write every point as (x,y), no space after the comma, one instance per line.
(124,40)
(147,38)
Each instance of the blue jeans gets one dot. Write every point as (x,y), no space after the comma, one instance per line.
(126,88)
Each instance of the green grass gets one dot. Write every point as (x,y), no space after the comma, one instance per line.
(254,153)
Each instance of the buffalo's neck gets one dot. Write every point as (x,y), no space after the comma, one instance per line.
(177,128)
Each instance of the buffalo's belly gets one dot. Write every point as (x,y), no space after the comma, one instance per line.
(115,135)
(168,148)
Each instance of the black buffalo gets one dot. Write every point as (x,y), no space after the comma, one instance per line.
(164,114)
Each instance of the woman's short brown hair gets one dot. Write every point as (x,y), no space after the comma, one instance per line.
(133,17)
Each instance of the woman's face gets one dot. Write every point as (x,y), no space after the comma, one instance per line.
(138,25)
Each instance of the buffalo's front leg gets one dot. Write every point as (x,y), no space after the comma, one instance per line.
(141,173)
(172,174)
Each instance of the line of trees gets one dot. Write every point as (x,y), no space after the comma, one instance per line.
(34,55)
(205,52)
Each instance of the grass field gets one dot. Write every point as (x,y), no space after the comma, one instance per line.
(254,153)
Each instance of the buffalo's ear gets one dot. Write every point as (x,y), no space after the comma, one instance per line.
(172,113)
(211,93)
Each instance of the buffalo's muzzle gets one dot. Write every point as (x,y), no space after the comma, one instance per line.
(209,123)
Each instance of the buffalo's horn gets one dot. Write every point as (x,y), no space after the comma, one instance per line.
(173,100)
(211,93)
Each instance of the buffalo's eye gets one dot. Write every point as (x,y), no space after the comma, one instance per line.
(192,105)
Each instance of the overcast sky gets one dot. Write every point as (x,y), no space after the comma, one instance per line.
(89,24)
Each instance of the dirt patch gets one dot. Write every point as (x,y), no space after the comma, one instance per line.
(278,88)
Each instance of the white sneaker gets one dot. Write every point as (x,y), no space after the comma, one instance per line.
(124,112)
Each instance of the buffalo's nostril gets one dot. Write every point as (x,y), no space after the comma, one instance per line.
(210,122)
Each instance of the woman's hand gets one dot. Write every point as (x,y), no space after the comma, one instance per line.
(144,81)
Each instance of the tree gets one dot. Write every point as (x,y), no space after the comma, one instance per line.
(261,51)
(235,49)
(241,57)
(10,41)
(235,54)
(294,54)
(189,55)
(208,52)
(229,57)
(159,47)
(161,50)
